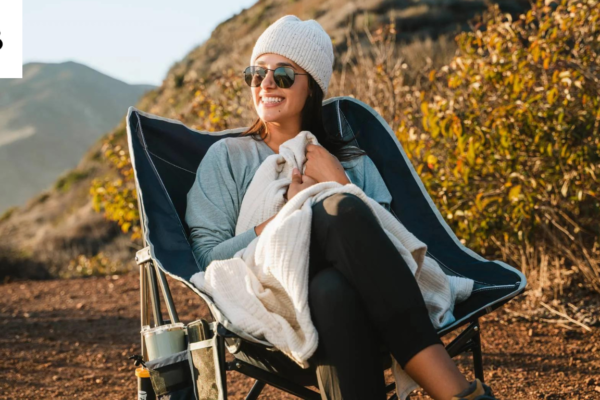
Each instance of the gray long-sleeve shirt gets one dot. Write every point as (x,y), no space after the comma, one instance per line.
(223,176)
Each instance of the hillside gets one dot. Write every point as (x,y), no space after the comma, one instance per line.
(57,225)
(49,119)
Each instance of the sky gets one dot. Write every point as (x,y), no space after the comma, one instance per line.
(135,41)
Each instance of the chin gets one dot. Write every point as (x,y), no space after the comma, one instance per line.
(273,117)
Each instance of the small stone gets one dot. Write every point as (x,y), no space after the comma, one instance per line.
(590,382)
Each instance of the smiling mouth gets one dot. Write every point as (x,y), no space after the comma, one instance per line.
(272,102)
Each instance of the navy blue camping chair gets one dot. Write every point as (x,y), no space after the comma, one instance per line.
(165,155)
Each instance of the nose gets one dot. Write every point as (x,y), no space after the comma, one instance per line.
(269,81)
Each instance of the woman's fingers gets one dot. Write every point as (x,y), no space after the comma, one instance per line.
(298,183)
(308,180)
(296,177)
(295,184)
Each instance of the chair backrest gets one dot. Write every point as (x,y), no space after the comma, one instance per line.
(166,154)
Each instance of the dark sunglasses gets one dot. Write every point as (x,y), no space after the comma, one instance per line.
(284,76)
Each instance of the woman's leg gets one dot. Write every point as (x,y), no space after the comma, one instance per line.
(354,243)
(348,358)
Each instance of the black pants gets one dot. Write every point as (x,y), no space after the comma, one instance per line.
(361,294)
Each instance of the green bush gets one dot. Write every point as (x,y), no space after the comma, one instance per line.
(117,197)
(507,136)
(98,265)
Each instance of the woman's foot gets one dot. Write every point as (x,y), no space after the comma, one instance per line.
(477,390)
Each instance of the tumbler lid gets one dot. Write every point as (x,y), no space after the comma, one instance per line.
(162,328)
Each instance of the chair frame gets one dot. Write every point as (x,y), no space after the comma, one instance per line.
(151,277)
(153,282)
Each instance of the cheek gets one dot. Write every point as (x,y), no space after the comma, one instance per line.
(298,101)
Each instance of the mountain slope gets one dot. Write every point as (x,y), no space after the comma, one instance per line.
(49,119)
(55,226)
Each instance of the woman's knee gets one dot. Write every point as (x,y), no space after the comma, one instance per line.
(340,210)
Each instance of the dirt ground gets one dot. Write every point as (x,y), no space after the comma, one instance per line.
(71,339)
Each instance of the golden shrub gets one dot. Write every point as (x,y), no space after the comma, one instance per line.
(507,136)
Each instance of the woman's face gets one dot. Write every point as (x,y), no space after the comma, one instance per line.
(293,97)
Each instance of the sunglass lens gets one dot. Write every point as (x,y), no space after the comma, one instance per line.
(284,77)
(254,76)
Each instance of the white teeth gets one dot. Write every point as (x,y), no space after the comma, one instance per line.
(272,99)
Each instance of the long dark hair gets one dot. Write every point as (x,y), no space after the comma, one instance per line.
(312,120)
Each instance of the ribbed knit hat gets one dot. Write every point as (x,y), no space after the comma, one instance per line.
(304,42)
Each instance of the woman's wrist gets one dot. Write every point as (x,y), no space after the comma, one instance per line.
(343,179)
(260,227)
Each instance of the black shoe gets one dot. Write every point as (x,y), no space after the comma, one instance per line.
(477,390)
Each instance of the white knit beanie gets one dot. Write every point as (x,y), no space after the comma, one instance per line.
(304,42)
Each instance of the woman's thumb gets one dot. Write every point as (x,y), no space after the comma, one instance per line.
(296,175)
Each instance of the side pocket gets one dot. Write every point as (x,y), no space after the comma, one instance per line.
(204,362)
(171,377)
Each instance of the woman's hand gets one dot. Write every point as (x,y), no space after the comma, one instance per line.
(323,166)
(299,182)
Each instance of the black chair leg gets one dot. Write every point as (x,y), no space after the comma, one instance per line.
(477,356)
(223,363)
(256,390)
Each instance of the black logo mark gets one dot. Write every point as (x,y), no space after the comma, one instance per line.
(1,44)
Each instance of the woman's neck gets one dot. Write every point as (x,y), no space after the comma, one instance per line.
(280,133)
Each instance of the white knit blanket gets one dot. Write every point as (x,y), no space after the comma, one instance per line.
(263,288)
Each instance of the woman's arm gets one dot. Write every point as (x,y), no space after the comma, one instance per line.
(213,206)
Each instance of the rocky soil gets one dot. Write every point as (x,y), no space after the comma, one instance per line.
(71,338)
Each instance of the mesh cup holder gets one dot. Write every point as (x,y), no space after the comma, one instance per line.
(204,362)
(171,377)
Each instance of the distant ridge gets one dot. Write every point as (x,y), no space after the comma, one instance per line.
(50,118)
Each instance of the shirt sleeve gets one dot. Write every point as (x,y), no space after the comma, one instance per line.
(213,208)
(373,184)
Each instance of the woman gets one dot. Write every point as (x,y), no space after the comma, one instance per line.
(361,292)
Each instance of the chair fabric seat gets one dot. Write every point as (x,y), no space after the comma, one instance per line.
(276,362)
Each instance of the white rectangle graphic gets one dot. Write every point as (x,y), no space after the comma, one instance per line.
(11,39)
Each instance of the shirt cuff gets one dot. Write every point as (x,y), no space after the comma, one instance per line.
(247,236)
(229,247)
